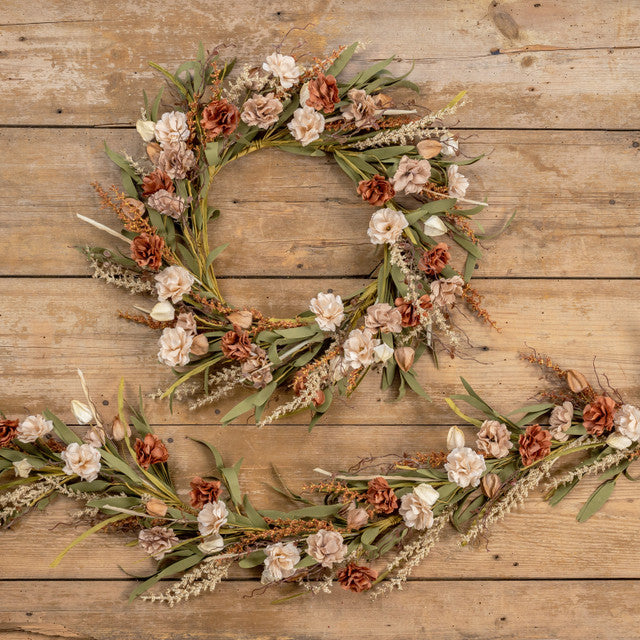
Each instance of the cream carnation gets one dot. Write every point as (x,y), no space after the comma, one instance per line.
(211,517)
(412,175)
(173,282)
(175,346)
(172,128)
(306,125)
(382,316)
(386,225)
(465,467)
(458,184)
(359,348)
(284,68)
(82,460)
(281,561)
(32,428)
(627,421)
(445,290)
(560,420)
(329,311)
(327,547)
(415,507)
(261,111)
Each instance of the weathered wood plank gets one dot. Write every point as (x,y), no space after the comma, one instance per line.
(52,326)
(66,69)
(517,548)
(526,610)
(576,196)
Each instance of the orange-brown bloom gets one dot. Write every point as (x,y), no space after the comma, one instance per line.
(220,117)
(8,430)
(323,93)
(156,181)
(535,444)
(150,451)
(435,260)
(381,496)
(598,415)
(376,191)
(146,250)
(203,491)
(236,345)
(356,578)
(409,311)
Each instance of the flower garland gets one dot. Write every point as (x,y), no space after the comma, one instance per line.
(340,524)
(404,164)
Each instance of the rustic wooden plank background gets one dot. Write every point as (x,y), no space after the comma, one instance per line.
(560,126)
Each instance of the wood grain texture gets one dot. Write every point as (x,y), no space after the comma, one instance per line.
(286,215)
(563,279)
(571,610)
(52,326)
(77,63)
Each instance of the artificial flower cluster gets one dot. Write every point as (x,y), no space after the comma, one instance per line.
(403,163)
(339,528)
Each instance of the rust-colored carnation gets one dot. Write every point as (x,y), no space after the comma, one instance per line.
(409,311)
(156,181)
(598,415)
(219,117)
(146,250)
(435,260)
(7,431)
(203,491)
(376,191)
(323,93)
(381,496)
(150,451)
(535,444)
(356,578)
(236,345)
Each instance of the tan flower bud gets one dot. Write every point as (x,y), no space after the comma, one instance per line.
(200,345)
(429,148)
(156,508)
(357,518)
(404,357)
(153,151)
(242,319)
(95,437)
(491,485)
(119,430)
(576,381)
(455,438)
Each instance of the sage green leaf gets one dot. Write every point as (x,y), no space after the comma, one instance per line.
(342,60)
(255,400)
(172,569)
(214,253)
(256,519)
(62,431)
(254,559)
(596,500)
(302,151)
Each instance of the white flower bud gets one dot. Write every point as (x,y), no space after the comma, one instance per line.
(304,94)
(163,312)
(82,412)
(434,226)
(211,544)
(22,468)
(618,441)
(382,352)
(455,438)
(146,129)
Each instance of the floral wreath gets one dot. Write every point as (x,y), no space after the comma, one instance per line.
(404,164)
(339,525)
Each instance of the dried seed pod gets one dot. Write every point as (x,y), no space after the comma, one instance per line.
(576,381)
(429,148)
(404,357)
(156,508)
(200,345)
(119,430)
(242,319)
(491,485)
(153,151)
